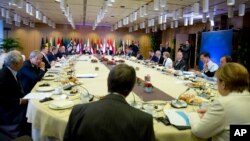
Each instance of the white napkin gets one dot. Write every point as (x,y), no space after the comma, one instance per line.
(86,75)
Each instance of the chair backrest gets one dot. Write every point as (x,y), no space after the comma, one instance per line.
(23,138)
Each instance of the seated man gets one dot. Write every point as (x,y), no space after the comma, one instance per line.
(13,122)
(52,55)
(153,57)
(225,59)
(179,64)
(111,118)
(209,67)
(45,51)
(32,71)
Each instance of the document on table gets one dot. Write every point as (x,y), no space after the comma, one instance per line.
(38,96)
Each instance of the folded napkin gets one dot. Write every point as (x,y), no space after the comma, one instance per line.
(54,71)
(86,75)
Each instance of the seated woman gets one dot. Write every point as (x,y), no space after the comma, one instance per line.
(231,108)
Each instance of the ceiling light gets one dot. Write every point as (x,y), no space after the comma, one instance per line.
(211,16)
(163,3)
(141,12)
(176,24)
(3,14)
(164,26)
(205,6)
(211,23)
(180,13)
(196,8)
(145,10)
(165,18)
(172,24)
(204,18)
(230,12)
(156,4)
(7,14)
(135,16)
(44,19)
(160,19)
(191,20)
(230,2)
(242,8)
(186,21)
(174,15)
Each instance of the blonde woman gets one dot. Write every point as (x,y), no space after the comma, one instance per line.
(231,108)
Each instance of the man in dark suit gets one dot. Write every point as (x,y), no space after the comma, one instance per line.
(168,48)
(61,52)
(13,122)
(32,71)
(153,57)
(52,55)
(162,49)
(180,64)
(44,51)
(111,118)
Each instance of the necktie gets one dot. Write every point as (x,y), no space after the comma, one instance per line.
(164,62)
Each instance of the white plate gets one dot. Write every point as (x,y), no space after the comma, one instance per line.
(49,78)
(61,104)
(44,89)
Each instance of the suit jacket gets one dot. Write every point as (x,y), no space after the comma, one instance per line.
(226,110)
(110,119)
(180,65)
(46,61)
(161,60)
(29,76)
(154,59)
(12,114)
(51,57)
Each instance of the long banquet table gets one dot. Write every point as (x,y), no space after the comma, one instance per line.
(49,124)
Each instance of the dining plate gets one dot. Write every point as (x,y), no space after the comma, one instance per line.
(44,89)
(61,104)
(49,77)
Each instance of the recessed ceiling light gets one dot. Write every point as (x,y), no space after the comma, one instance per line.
(57,0)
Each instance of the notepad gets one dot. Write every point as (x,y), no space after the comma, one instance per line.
(178,118)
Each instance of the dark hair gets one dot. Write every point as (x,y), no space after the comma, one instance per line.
(121,79)
(42,47)
(228,59)
(205,54)
(53,48)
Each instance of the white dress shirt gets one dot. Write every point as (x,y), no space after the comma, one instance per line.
(212,67)
(168,63)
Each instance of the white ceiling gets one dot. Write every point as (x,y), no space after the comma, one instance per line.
(85,11)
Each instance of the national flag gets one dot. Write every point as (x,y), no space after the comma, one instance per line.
(58,42)
(42,42)
(104,46)
(54,41)
(114,47)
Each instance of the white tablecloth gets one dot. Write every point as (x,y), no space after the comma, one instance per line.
(48,124)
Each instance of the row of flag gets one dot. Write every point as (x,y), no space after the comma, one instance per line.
(87,45)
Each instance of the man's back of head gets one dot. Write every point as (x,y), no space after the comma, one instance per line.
(121,79)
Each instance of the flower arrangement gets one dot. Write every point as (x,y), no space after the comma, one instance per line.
(148,84)
(94,61)
(148,87)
